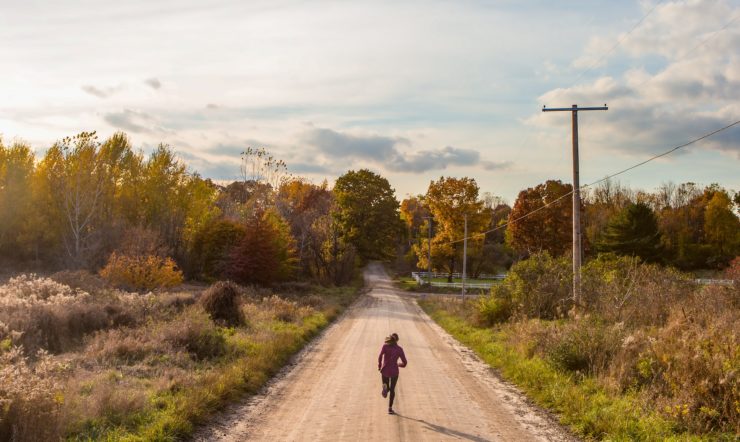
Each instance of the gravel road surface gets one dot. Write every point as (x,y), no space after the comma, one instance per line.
(331,391)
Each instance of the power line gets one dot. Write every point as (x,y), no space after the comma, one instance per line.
(525,141)
(655,157)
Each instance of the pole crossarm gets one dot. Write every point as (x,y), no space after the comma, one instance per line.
(574,108)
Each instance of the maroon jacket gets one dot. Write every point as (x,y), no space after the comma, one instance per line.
(388,359)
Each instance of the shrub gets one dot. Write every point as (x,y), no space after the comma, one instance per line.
(281,309)
(121,346)
(733,271)
(30,397)
(584,345)
(693,363)
(25,291)
(143,272)
(194,331)
(61,328)
(623,289)
(222,302)
(538,287)
(494,308)
(79,279)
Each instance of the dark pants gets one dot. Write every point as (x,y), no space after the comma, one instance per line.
(390,381)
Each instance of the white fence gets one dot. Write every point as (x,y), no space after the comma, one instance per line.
(423,278)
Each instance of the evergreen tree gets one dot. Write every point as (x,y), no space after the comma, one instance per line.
(633,231)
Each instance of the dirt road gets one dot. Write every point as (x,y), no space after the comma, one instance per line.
(332,392)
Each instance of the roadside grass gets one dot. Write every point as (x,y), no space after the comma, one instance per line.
(155,376)
(590,409)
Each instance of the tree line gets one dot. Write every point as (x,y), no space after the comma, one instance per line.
(87,202)
(686,226)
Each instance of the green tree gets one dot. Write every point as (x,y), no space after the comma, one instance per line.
(367,213)
(633,231)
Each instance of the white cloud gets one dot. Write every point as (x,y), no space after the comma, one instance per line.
(690,94)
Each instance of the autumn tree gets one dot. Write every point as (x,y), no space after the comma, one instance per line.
(413,213)
(494,255)
(367,213)
(16,199)
(212,246)
(722,228)
(301,203)
(266,252)
(332,258)
(450,200)
(633,231)
(76,173)
(545,228)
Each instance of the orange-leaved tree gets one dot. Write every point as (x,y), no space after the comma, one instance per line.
(544,228)
(266,252)
(449,200)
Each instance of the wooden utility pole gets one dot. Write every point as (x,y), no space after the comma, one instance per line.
(577,249)
(429,256)
(465,256)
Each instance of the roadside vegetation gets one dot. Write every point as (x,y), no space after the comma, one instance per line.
(649,356)
(89,363)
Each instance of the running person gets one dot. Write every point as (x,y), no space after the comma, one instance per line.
(388,366)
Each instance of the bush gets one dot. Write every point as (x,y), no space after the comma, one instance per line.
(281,309)
(79,279)
(29,397)
(692,363)
(143,272)
(493,308)
(222,302)
(194,331)
(29,290)
(733,270)
(623,289)
(538,287)
(584,345)
(61,328)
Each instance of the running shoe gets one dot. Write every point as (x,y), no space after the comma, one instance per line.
(385,390)
(390,411)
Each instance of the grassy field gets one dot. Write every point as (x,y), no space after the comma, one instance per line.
(100,364)
(532,357)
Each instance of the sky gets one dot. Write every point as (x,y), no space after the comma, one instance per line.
(413,90)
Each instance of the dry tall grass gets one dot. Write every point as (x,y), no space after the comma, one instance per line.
(103,364)
(643,329)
